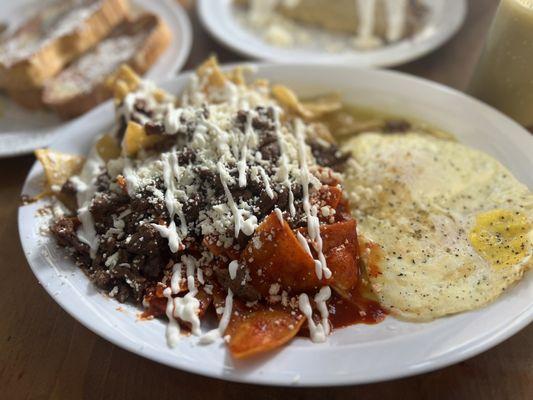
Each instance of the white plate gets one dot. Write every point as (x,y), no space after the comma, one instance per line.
(445,18)
(357,354)
(22,131)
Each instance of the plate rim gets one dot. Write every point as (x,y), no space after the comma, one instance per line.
(519,321)
(186,40)
(424,47)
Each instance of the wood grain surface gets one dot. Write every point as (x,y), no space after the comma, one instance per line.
(46,354)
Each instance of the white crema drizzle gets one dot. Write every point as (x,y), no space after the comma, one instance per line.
(279,214)
(283,168)
(232,269)
(171,173)
(217,333)
(266,182)
(85,185)
(313,223)
(184,308)
(242,162)
(247,226)
(318,331)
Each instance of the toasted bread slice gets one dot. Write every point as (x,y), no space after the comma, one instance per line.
(31,98)
(81,85)
(57,34)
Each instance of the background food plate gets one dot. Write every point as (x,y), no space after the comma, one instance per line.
(22,131)
(357,354)
(445,18)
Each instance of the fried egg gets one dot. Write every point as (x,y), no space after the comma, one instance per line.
(446,228)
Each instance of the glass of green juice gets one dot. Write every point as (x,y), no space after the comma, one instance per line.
(503,77)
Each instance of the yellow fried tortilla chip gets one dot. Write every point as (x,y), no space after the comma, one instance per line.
(108,147)
(288,99)
(58,167)
(210,71)
(323,104)
(309,110)
(236,75)
(123,81)
(260,84)
(321,131)
(135,139)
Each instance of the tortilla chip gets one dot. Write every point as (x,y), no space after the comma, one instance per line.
(210,71)
(107,147)
(58,167)
(323,104)
(288,99)
(279,259)
(122,82)
(135,139)
(308,110)
(341,250)
(236,75)
(258,328)
(259,331)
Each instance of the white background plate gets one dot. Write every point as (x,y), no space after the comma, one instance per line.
(22,131)
(445,18)
(357,354)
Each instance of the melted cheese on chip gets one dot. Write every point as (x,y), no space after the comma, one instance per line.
(454,227)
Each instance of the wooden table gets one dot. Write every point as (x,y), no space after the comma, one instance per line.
(44,353)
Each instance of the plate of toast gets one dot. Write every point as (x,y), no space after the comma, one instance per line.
(362,33)
(57,56)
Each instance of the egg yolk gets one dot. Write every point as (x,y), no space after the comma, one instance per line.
(501,237)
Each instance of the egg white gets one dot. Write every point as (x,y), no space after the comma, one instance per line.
(418,197)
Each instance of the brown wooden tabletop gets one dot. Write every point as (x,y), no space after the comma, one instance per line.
(45,353)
